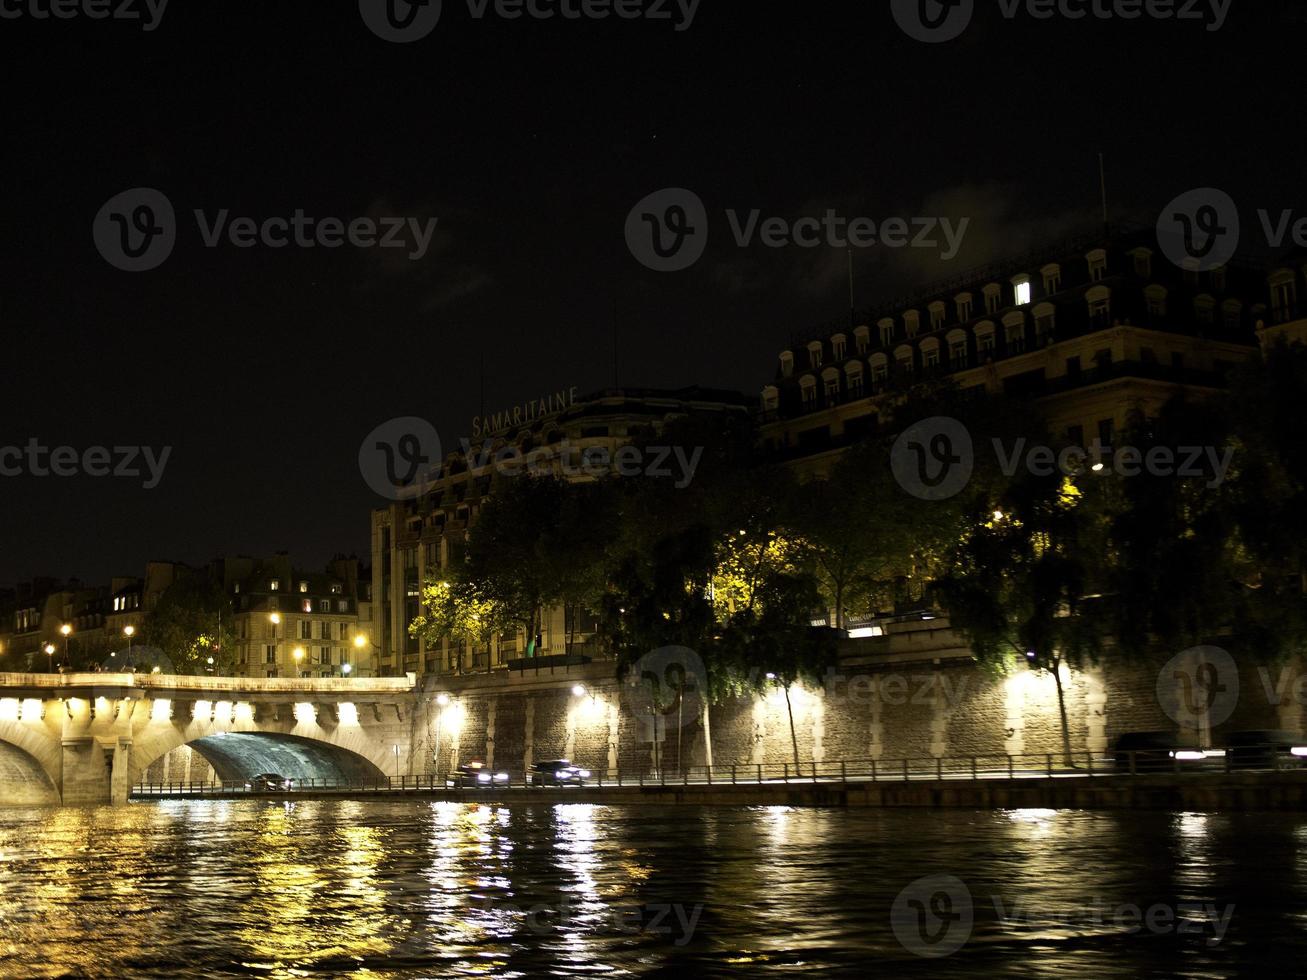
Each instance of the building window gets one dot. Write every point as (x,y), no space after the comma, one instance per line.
(862,339)
(1014,327)
(993,298)
(886,332)
(964,307)
(853,380)
(1155,297)
(1045,323)
(307,605)
(1232,314)
(274,604)
(274,585)
(1100,307)
(304,586)
(1097,265)
(985,344)
(839,345)
(1205,310)
(903,360)
(1021,286)
(912,322)
(808,390)
(269,654)
(1052,279)
(936,315)
(787,364)
(306,628)
(814,354)
(771,399)
(957,354)
(929,353)
(879,369)
(831,386)
(1143,263)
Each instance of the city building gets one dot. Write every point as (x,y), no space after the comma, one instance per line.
(293,623)
(1092,330)
(574,438)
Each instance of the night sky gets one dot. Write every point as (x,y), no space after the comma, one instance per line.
(530,141)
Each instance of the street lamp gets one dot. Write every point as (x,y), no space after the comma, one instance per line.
(49,652)
(67,631)
(578,691)
(346,669)
(129,631)
(298,654)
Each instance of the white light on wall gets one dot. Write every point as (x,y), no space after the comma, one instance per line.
(349,713)
(865,632)
(161,709)
(202,709)
(222,713)
(9,709)
(32,709)
(305,713)
(1023,294)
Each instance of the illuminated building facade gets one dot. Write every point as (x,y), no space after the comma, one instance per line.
(414,538)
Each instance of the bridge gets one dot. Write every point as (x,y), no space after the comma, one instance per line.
(82,739)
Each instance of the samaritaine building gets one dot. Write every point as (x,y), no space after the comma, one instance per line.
(573,437)
(1092,330)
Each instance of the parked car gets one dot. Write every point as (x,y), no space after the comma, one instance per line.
(1155,752)
(474,775)
(558,772)
(1264,749)
(270,782)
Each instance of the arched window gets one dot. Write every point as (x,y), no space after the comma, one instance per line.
(839,345)
(963,301)
(771,399)
(930,353)
(1155,298)
(903,360)
(886,327)
(862,339)
(1014,332)
(993,298)
(814,354)
(808,391)
(853,379)
(985,340)
(880,367)
(1232,314)
(1045,315)
(1205,309)
(1021,289)
(936,314)
(912,322)
(1097,260)
(1284,295)
(1100,306)
(1052,274)
(787,364)
(958,357)
(830,384)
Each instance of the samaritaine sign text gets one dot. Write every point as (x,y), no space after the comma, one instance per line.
(525,414)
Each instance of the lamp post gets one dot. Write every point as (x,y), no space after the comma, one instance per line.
(346,669)
(129,631)
(298,654)
(49,652)
(361,643)
(67,631)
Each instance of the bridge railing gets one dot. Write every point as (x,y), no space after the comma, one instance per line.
(1047,765)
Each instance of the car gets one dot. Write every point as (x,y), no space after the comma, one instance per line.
(1265,749)
(1155,752)
(269,782)
(474,775)
(558,772)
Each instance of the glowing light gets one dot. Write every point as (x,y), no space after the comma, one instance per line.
(1023,291)
(244,712)
(347,669)
(305,713)
(222,712)
(349,713)
(865,632)
(360,642)
(202,710)
(161,709)
(129,631)
(101,705)
(298,654)
(442,700)
(999,515)
(32,709)
(578,691)
(65,629)
(9,709)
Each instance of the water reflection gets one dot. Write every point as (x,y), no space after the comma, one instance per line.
(409,889)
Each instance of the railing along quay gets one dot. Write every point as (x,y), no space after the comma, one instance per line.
(1048,765)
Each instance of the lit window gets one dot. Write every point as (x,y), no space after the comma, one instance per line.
(304,586)
(274,585)
(1021,285)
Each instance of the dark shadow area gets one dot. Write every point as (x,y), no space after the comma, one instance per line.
(22,780)
(239,755)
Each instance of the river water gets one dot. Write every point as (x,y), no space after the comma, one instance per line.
(420,889)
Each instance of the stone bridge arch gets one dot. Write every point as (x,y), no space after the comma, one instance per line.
(30,765)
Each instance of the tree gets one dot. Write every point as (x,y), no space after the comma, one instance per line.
(192,623)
